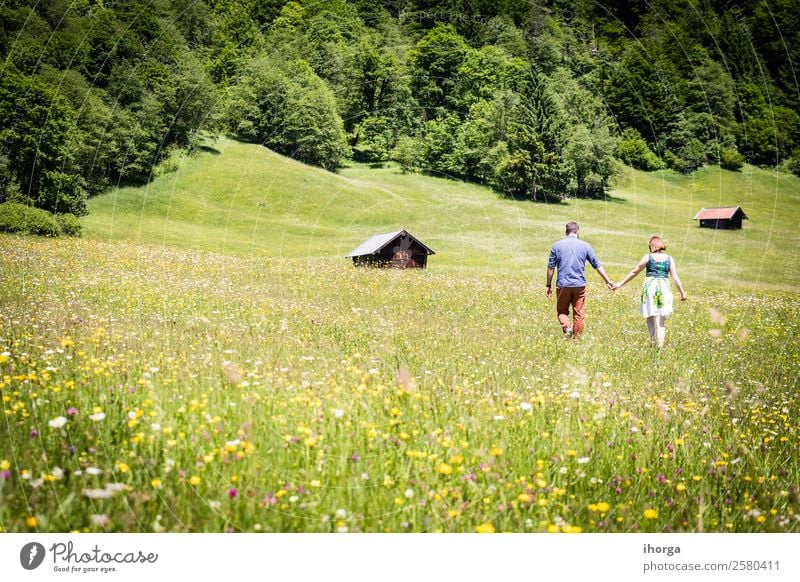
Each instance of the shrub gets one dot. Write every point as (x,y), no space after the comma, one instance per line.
(792,163)
(15,217)
(731,159)
(69,223)
(633,150)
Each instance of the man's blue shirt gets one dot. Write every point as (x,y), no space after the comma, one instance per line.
(568,256)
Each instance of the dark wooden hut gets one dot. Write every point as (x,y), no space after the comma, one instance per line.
(729,217)
(399,249)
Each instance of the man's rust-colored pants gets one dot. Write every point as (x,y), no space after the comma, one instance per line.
(576,298)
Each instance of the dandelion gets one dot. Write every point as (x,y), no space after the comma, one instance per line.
(194,480)
(445,469)
(485,528)
(650,513)
(5,465)
(155,483)
(123,467)
(31,521)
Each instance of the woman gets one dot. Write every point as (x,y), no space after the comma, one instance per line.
(656,292)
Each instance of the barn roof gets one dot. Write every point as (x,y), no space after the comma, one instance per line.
(375,244)
(725,213)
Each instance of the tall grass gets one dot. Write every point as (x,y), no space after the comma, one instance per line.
(152,388)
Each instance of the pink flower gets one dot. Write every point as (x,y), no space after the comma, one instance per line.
(72,411)
(232,492)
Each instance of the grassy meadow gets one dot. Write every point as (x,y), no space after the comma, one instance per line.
(206,360)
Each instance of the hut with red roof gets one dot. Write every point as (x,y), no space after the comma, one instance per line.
(728,217)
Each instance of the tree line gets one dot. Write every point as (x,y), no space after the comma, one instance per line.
(538,99)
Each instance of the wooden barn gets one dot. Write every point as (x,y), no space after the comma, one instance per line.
(399,249)
(728,217)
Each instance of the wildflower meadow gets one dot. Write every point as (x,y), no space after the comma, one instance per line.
(155,389)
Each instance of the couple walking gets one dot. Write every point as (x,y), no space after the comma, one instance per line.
(568,257)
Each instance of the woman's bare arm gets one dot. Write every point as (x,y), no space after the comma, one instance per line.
(673,270)
(635,271)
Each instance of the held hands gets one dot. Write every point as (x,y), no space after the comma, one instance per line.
(611,285)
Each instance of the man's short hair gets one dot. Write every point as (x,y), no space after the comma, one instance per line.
(572,227)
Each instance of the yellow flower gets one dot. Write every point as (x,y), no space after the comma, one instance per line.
(311,442)
(123,467)
(194,480)
(650,513)
(602,507)
(680,487)
(485,528)
(445,469)
(525,498)
(31,521)
(156,483)
(4,465)
(496,451)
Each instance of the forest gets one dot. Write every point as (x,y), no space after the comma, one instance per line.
(540,99)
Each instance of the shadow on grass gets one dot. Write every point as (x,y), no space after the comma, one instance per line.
(209,150)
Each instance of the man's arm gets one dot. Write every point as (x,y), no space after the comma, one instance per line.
(550,271)
(609,283)
(594,261)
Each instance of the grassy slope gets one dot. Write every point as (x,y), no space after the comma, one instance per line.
(245,199)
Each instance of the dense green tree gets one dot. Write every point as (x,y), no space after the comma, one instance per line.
(433,65)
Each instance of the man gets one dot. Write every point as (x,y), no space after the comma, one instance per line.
(569,256)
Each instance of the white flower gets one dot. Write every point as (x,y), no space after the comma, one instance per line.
(293,499)
(233,443)
(100,520)
(97,493)
(341,514)
(562,471)
(93,471)
(575,394)
(338,412)
(373,371)
(98,416)
(57,472)
(526,406)
(583,460)
(408,494)
(499,417)
(57,422)
(131,415)
(214,504)
(155,427)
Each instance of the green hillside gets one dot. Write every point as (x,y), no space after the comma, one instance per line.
(244,199)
